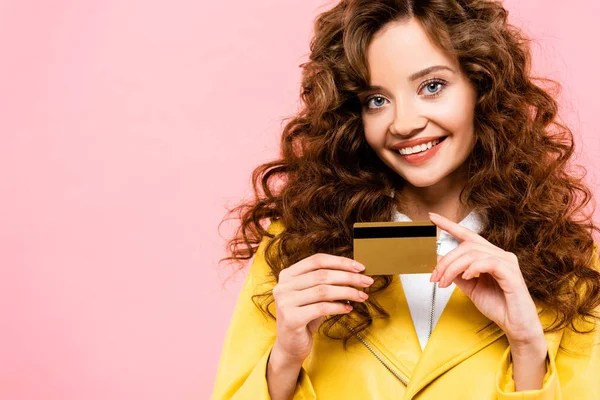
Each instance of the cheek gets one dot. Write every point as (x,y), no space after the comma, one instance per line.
(455,115)
(374,129)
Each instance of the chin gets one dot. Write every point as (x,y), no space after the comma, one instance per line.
(421,183)
(424,178)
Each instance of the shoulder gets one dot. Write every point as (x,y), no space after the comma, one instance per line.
(595,262)
(276,226)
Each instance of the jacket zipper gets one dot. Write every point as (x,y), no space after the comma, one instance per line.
(381,360)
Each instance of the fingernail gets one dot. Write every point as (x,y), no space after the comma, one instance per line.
(434,215)
(363,295)
(367,279)
(357,266)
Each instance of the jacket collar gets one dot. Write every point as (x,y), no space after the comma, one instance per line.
(460,332)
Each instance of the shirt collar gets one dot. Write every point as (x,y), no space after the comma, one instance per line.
(474,220)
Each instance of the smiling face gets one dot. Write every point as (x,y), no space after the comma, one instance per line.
(417,91)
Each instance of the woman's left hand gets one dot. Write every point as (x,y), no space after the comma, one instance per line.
(492,279)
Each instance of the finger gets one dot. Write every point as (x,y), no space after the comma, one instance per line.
(322,293)
(508,280)
(463,248)
(460,232)
(452,256)
(460,265)
(466,286)
(329,277)
(321,260)
(307,313)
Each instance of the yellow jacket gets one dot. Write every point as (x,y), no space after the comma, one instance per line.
(459,361)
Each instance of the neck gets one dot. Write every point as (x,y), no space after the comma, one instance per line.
(443,198)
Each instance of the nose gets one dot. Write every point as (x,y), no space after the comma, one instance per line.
(407,119)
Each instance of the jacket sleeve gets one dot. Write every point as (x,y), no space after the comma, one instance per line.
(572,371)
(250,337)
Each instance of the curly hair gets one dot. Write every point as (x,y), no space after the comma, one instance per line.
(329,177)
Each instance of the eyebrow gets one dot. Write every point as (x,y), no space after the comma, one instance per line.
(429,70)
(416,75)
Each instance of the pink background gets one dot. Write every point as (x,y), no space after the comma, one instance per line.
(126,128)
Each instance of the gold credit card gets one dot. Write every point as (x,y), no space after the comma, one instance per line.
(389,248)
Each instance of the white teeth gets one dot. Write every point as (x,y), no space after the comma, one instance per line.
(418,148)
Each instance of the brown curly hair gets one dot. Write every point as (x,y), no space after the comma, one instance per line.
(329,177)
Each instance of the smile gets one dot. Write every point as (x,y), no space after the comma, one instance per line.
(421,153)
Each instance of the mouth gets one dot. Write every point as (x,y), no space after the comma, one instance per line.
(423,148)
(420,155)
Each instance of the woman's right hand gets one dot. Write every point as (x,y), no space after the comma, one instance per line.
(306,293)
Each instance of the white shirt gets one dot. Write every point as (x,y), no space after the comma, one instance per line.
(417,288)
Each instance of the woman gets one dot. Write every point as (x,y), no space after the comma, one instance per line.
(411,108)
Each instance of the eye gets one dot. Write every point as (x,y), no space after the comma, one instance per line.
(433,87)
(378,102)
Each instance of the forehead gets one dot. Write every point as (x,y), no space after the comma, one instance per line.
(402,48)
